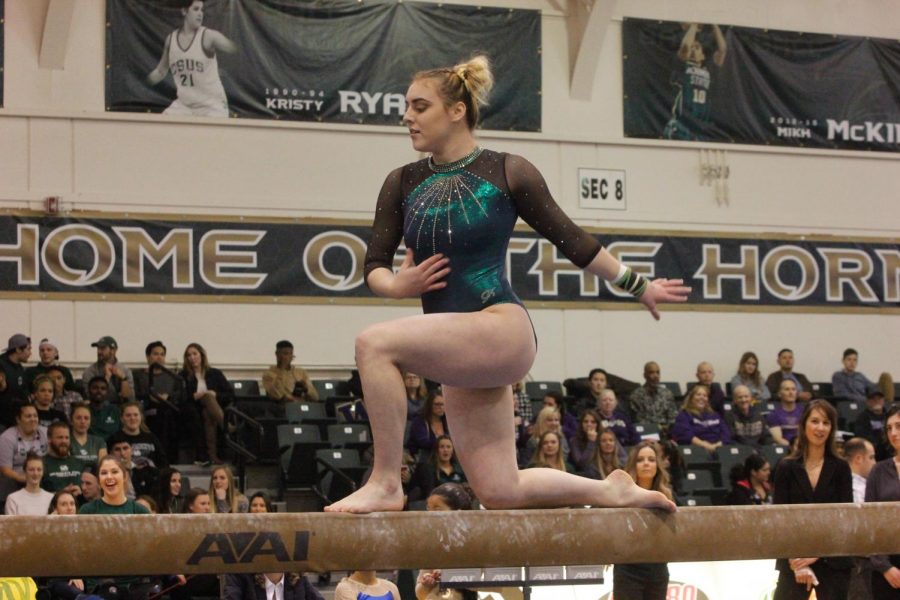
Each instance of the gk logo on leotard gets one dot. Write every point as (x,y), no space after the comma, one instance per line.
(487,295)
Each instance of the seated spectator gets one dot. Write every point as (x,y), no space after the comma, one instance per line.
(90,483)
(597,382)
(416,393)
(583,445)
(144,444)
(63,503)
(860,455)
(653,403)
(698,425)
(208,392)
(63,399)
(83,445)
(48,357)
(198,501)
(549,453)
(870,423)
(706,376)
(261,503)
(523,408)
(225,496)
(446,497)
(119,379)
(42,398)
(849,383)
(169,500)
(441,467)
(15,444)
(15,385)
(746,421)
(556,400)
(428,426)
(147,502)
(608,456)
(62,471)
(283,586)
(286,383)
(105,416)
(886,385)
(614,418)
(881,486)
(786,371)
(161,392)
(748,375)
(364,585)
(784,421)
(143,477)
(750,483)
(32,499)
(548,419)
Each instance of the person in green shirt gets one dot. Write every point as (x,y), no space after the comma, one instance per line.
(62,471)
(105,417)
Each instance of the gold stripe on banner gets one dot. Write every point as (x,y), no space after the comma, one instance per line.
(262,543)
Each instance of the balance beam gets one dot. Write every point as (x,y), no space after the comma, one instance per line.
(155,544)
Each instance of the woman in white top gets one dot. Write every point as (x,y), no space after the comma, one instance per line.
(30,500)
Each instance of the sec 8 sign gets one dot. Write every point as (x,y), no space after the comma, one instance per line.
(600,188)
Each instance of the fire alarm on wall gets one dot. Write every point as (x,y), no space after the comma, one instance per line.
(51,204)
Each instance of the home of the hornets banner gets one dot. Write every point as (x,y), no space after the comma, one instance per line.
(341,61)
(718,83)
(314,261)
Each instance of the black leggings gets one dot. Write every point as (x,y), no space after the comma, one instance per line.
(833,584)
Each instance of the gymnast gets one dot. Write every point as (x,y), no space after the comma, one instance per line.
(456,211)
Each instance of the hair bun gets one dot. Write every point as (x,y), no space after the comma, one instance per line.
(477,77)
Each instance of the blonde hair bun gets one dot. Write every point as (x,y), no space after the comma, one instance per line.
(477,77)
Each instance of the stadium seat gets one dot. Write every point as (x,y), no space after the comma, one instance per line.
(245,387)
(350,435)
(331,387)
(774,453)
(693,455)
(298,445)
(699,500)
(672,386)
(340,473)
(697,479)
(647,431)
(822,390)
(308,413)
(537,389)
(848,411)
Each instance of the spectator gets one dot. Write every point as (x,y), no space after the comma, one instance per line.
(751,486)
(597,382)
(63,503)
(653,403)
(784,420)
(210,392)
(549,454)
(261,503)
(870,423)
(83,445)
(364,585)
(748,375)
(786,371)
(523,408)
(612,417)
(583,445)
(416,393)
(886,385)
(860,455)
(12,362)
(286,383)
(849,383)
(169,499)
(556,400)
(105,416)
(63,399)
(745,420)
(649,581)
(48,357)
(428,426)
(883,485)
(144,444)
(697,424)
(62,471)
(197,502)
(283,586)
(42,398)
(706,376)
(147,502)
(161,391)
(118,377)
(548,419)
(223,492)
(143,477)
(90,483)
(15,444)
(441,467)
(32,499)
(813,473)
(607,457)
(446,497)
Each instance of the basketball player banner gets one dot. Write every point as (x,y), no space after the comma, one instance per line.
(267,260)
(341,61)
(719,83)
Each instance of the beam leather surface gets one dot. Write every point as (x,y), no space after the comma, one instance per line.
(155,544)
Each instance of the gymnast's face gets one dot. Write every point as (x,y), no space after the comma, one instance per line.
(429,121)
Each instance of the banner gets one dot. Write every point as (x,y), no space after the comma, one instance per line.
(341,61)
(255,261)
(719,83)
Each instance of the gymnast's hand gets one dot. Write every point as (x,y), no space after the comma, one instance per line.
(661,291)
(413,280)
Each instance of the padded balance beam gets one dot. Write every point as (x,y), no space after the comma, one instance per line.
(159,544)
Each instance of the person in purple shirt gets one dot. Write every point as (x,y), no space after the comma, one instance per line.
(697,424)
(785,419)
(705,376)
(611,417)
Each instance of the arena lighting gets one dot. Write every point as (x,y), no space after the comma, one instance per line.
(153,544)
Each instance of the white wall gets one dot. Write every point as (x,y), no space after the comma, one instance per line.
(55,138)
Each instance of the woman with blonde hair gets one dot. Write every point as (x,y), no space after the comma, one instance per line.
(549,453)
(224,496)
(549,419)
(456,210)
(207,391)
(699,425)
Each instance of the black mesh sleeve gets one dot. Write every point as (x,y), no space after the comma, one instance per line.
(387,228)
(537,208)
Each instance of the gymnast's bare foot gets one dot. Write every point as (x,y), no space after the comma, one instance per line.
(624,492)
(372,497)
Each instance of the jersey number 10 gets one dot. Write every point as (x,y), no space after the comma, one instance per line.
(699,96)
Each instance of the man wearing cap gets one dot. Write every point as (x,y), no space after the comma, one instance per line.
(48,356)
(285,382)
(870,423)
(848,382)
(117,375)
(12,364)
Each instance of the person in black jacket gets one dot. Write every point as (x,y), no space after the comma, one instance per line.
(207,392)
(814,474)
(244,586)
